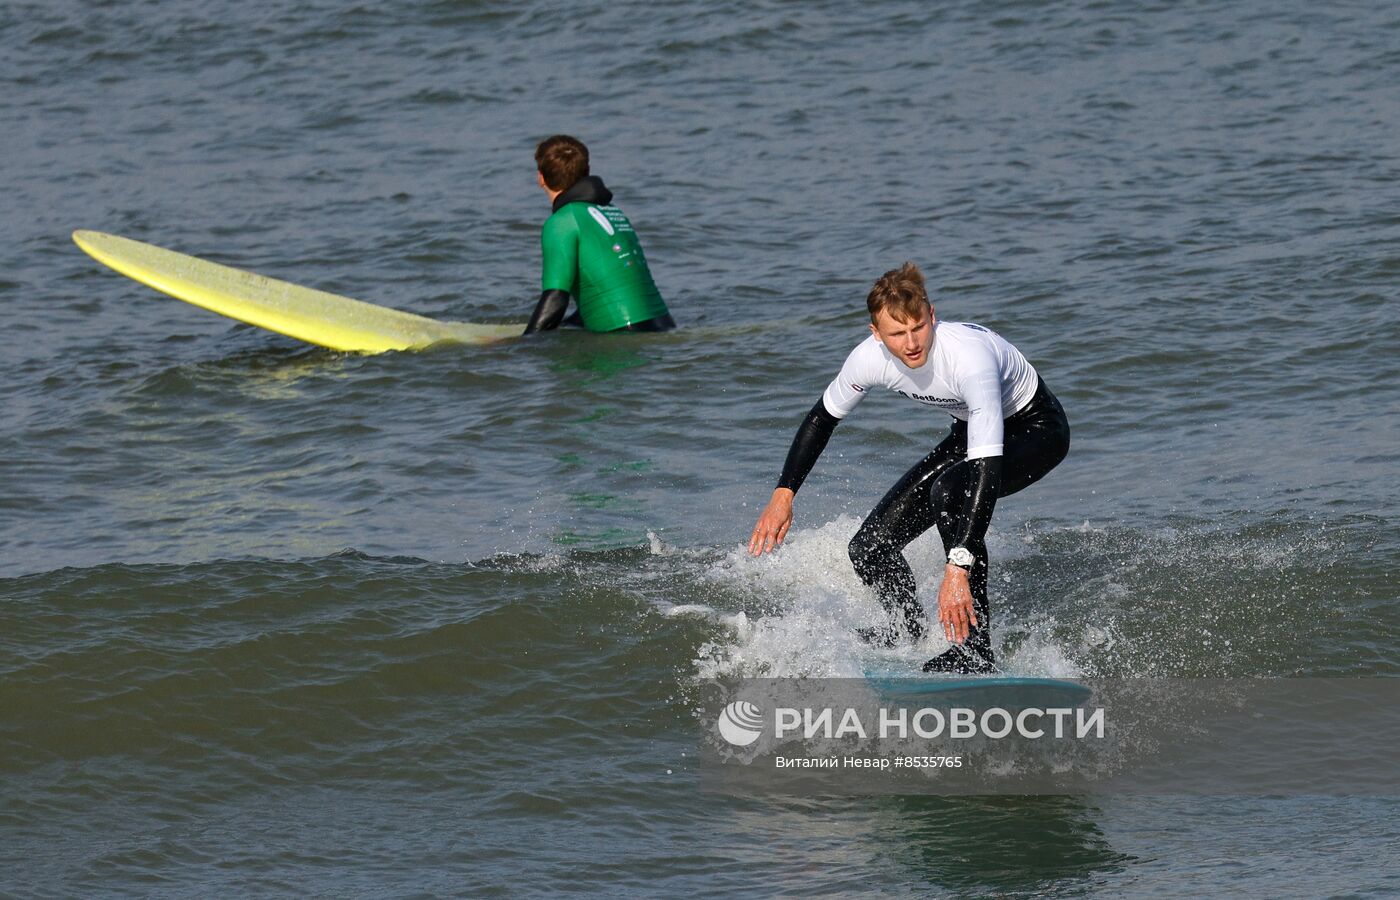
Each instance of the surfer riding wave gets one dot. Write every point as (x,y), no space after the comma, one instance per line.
(1008,432)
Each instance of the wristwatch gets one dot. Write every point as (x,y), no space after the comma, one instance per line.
(961,556)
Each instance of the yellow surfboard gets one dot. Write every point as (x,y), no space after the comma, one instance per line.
(316,317)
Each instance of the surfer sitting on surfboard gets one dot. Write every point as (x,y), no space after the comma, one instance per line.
(1008,432)
(591,251)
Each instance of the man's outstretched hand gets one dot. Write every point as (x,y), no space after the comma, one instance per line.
(955,604)
(773,525)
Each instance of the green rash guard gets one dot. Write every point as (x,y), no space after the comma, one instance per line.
(591,251)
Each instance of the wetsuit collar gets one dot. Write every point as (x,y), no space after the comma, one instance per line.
(588,189)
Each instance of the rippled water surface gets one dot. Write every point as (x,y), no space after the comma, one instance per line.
(275,619)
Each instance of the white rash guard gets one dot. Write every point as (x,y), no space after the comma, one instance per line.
(971,372)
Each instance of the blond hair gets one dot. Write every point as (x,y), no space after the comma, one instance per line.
(900,292)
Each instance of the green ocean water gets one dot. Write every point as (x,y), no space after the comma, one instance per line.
(277,620)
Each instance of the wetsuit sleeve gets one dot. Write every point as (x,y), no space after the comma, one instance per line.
(979,382)
(981,500)
(549,312)
(850,384)
(980,386)
(807,445)
(559,242)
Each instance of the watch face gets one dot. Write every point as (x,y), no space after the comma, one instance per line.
(960,556)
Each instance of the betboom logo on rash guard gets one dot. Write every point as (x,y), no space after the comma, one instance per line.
(929,398)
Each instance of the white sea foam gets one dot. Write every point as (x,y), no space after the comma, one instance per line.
(689,609)
(814,603)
